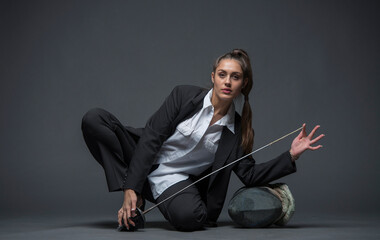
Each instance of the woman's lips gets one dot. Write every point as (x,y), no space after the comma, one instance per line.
(226,90)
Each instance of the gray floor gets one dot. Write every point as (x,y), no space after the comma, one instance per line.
(307,226)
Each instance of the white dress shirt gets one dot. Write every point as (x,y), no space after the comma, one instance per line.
(191,149)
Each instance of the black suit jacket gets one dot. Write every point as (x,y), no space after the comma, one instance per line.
(182,103)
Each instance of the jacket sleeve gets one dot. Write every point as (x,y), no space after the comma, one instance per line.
(156,131)
(252,174)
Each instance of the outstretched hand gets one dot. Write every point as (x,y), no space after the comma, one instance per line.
(303,142)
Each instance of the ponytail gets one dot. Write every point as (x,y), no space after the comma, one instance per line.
(246,119)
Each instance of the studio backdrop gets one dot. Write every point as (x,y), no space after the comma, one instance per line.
(313,61)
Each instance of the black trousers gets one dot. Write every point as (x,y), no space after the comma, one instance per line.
(112,145)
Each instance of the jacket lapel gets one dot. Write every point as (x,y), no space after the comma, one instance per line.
(226,144)
(224,148)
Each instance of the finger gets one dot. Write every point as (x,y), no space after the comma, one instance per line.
(131,222)
(133,210)
(302,131)
(315,148)
(313,131)
(125,218)
(129,217)
(119,217)
(316,139)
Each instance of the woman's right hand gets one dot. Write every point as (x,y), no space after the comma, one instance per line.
(128,209)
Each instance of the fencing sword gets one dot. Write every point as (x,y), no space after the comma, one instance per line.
(139,219)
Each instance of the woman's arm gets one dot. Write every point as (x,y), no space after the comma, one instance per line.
(156,131)
(252,174)
(158,128)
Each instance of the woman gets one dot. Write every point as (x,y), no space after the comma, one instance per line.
(194,132)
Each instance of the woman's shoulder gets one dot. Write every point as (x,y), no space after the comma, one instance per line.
(188,91)
(189,88)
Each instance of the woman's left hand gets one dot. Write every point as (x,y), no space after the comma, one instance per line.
(303,142)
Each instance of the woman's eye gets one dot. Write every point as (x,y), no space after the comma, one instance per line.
(221,74)
(236,77)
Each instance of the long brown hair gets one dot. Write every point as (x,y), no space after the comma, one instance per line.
(242,58)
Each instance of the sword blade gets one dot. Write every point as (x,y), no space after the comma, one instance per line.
(219,169)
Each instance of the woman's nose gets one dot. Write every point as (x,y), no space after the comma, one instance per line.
(228,81)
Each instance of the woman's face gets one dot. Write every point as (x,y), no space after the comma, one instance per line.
(228,79)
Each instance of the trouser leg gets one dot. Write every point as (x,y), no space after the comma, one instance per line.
(110,144)
(186,211)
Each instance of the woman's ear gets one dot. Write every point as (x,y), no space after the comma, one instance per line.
(212,77)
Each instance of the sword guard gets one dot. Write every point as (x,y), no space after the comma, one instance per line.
(139,221)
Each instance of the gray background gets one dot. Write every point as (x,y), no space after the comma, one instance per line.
(314,61)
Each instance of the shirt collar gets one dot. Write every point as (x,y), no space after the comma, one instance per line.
(229,119)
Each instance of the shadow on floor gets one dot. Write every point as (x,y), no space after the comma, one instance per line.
(166,226)
(114,225)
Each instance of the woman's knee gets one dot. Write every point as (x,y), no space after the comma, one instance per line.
(189,220)
(92,120)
